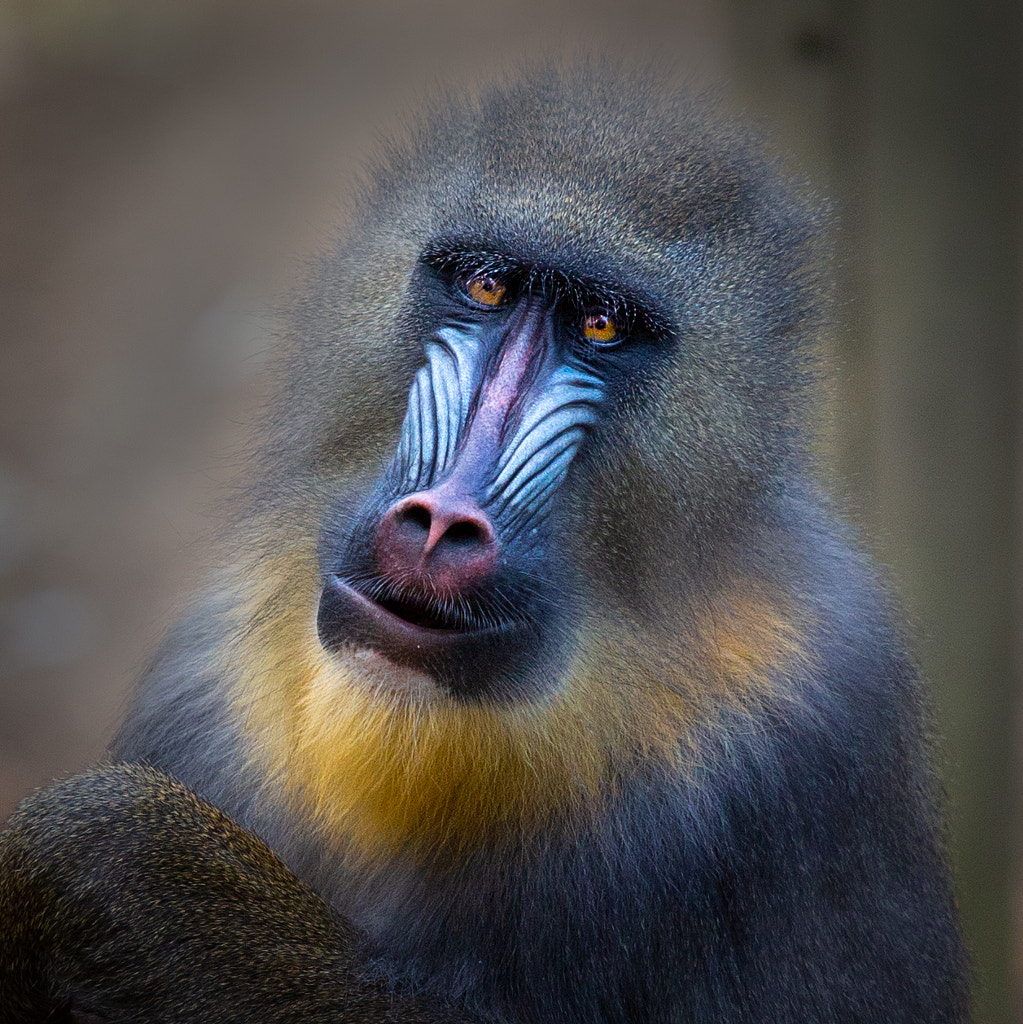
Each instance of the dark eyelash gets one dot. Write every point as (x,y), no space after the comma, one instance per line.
(459,264)
(582,297)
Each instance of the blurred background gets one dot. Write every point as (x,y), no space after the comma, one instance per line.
(166,166)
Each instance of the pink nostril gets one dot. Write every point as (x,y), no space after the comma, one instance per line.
(437,538)
(457,520)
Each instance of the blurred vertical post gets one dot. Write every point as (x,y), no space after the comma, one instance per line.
(910,114)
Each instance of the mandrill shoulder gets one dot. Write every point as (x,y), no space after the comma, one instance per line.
(180,717)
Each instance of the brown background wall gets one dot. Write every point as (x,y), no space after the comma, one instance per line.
(164,167)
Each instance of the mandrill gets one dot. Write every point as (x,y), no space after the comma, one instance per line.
(541,659)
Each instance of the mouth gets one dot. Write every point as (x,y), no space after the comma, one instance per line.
(428,614)
(446,640)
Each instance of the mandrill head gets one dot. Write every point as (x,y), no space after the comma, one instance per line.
(517,534)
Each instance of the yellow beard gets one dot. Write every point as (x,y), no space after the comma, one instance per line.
(385,761)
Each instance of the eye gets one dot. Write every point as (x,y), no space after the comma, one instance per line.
(484,288)
(602,328)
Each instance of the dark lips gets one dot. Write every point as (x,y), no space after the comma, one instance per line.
(348,617)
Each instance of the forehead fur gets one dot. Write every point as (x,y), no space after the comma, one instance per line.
(608,175)
(621,182)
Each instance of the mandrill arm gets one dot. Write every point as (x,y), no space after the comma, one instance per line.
(124,897)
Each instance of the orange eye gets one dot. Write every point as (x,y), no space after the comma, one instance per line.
(485,289)
(601,328)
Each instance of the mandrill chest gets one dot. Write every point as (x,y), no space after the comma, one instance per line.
(555,931)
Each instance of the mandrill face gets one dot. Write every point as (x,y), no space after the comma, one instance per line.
(449,568)
(537,400)
(581,380)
